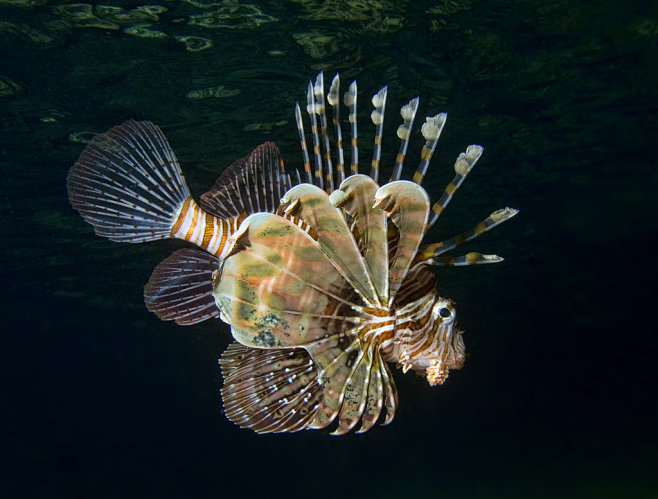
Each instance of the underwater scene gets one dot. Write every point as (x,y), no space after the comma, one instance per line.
(141,370)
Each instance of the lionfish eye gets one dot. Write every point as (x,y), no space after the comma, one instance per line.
(444,312)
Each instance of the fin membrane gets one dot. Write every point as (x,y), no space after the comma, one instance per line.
(128,184)
(269,391)
(278,289)
(356,384)
(180,288)
(252,184)
(407,205)
(314,207)
(356,195)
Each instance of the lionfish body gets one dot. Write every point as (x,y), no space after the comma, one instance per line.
(322,282)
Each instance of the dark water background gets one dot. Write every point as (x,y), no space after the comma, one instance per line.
(558,395)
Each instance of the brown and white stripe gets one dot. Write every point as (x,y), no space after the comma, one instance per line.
(206,231)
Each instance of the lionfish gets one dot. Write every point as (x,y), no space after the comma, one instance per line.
(322,281)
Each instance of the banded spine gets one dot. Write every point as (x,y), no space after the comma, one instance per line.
(350,99)
(333,100)
(463,166)
(431,131)
(408,113)
(302,141)
(310,109)
(377,117)
(320,109)
(429,254)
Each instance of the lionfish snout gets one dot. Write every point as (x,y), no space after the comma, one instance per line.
(451,351)
(436,346)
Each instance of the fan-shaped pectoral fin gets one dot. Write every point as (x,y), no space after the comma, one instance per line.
(356,196)
(356,384)
(333,358)
(407,205)
(381,391)
(312,205)
(278,288)
(269,390)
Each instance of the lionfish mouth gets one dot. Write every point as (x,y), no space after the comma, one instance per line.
(437,372)
(446,353)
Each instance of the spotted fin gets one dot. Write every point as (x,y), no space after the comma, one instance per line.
(269,390)
(355,384)
(369,389)
(355,393)
(252,184)
(180,288)
(128,184)
(279,288)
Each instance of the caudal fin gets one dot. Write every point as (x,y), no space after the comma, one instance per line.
(128,184)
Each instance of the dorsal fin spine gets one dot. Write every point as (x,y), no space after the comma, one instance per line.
(430,253)
(320,108)
(334,102)
(350,102)
(377,117)
(302,142)
(463,165)
(310,109)
(408,113)
(431,131)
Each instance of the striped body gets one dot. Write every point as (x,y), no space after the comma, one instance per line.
(206,231)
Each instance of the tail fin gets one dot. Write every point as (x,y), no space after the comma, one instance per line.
(128,184)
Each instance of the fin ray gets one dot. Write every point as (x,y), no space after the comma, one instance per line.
(180,288)
(314,207)
(128,184)
(269,391)
(251,184)
(279,288)
(356,196)
(407,205)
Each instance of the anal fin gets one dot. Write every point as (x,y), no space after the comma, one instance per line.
(180,288)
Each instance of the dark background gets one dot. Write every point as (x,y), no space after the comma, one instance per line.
(558,394)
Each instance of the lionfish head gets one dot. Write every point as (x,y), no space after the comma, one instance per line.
(443,349)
